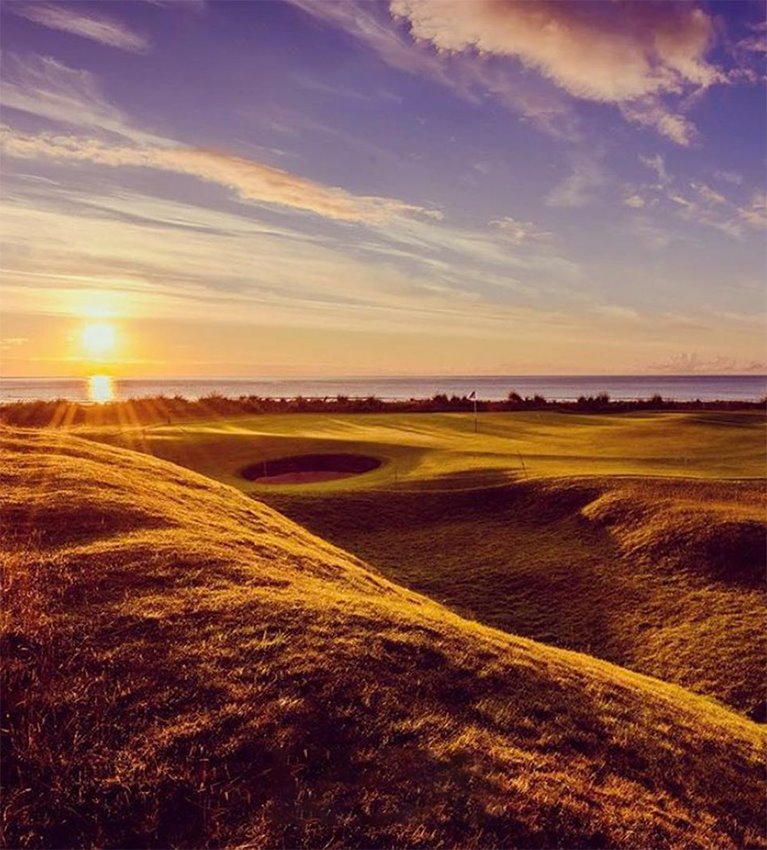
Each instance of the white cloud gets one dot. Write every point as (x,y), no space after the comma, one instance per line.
(755,213)
(45,87)
(657,164)
(520,232)
(708,194)
(651,112)
(635,201)
(94,27)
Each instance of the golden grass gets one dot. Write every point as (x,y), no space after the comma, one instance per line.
(185,667)
(426,450)
(664,576)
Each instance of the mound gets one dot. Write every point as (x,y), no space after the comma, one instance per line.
(309,468)
(185,667)
(663,576)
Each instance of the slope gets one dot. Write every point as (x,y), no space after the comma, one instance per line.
(185,667)
(664,576)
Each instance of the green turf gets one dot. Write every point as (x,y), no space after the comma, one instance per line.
(443,450)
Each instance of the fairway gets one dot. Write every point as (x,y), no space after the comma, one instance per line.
(444,451)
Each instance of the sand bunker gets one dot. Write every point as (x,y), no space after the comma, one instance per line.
(308,469)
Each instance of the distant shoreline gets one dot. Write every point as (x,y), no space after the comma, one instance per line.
(169,410)
(491,388)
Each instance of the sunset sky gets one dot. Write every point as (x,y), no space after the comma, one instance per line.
(420,186)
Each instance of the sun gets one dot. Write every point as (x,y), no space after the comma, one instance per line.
(98,339)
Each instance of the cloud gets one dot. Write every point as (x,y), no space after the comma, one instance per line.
(692,363)
(471,80)
(657,164)
(520,232)
(577,189)
(651,112)
(94,27)
(627,52)
(47,88)
(635,201)
(613,311)
(755,214)
(712,209)
(708,194)
(756,42)
(10,342)
(656,238)
(733,177)
(590,49)
(248,179)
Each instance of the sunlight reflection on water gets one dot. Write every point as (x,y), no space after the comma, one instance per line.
(101,388)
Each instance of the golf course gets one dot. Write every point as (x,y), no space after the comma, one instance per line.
(635,538)
(528,630)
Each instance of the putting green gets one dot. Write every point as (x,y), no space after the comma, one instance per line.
(443,451)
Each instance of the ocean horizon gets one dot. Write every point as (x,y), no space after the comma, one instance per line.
(487,387)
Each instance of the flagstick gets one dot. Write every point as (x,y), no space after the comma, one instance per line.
(476,424)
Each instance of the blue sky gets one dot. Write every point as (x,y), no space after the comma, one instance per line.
(443,186)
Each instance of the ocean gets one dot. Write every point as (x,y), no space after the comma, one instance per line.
(489,387)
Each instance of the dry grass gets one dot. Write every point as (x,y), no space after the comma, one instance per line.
(665,577)
(184,667)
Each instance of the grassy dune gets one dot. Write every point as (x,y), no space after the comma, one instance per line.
(185,667)
(664,576)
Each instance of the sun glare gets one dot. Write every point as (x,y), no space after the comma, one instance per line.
(101,388)
(98,339)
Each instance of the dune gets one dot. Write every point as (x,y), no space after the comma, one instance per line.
(184,666)
(664,576)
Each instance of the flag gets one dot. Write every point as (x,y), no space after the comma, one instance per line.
(473,395)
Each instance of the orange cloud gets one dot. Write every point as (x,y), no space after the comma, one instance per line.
(248,179)
(611,52)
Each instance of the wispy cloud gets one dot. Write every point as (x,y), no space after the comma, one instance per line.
(707,206)
(635,201)
(756,41)
(708,194)
(250,180)
(733,177)
(656,163)
(47,88)
(100,28)
(520,232)
(466,76)
(693,363)
(578,188)
(755,212)
(652,112)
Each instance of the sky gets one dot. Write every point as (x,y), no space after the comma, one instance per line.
(408,187)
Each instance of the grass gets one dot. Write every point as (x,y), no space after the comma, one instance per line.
(662,576)
(613,535)
(185,667)
(427,449)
